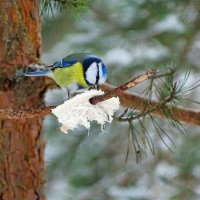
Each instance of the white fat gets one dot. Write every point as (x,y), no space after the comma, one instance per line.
(78,111)
(91,73)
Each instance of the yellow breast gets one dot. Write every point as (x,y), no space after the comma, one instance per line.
(70,75)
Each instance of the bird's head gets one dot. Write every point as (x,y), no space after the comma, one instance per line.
(95,72)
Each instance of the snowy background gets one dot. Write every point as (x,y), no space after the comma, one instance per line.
(131,36)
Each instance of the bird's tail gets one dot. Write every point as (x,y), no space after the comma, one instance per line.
(34,70)
(37,70)
(38,73)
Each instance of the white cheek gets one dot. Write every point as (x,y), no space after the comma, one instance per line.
(91,73)
(102,78)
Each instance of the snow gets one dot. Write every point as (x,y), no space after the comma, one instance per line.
(171,23)
(119,56)
(166,170)
(120,193)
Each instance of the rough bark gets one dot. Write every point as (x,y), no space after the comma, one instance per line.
(21,142)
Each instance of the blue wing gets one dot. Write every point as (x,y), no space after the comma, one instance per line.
(69,60)
(62,64)
(46,72)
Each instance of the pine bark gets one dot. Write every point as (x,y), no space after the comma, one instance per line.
(21,141)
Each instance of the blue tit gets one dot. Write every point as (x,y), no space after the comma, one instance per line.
(82,70)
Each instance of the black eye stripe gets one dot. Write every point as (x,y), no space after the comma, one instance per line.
(97,76)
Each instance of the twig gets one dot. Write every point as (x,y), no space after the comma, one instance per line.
(120,89)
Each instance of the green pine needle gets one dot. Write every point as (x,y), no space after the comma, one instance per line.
(52,6)
(168,92)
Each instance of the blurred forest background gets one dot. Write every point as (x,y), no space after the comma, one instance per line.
(131,36)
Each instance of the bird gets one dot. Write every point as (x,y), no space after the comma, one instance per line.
(75,71)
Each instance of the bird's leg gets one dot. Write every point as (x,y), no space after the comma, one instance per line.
(79,91)
(68,93)
(95,87)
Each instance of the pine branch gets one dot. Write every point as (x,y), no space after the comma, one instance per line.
(161,105)
(130,100)
(127,99)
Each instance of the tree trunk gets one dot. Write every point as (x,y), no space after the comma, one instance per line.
(21,141)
